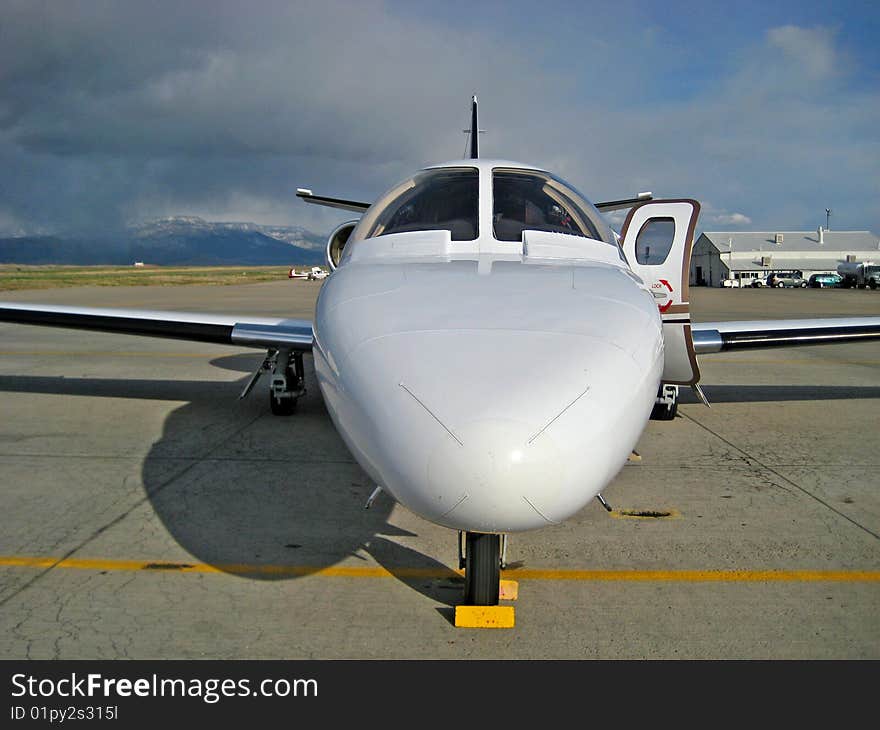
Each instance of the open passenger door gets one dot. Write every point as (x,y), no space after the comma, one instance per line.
(657,238)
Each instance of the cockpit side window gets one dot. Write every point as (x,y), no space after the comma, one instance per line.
(441,199)
(528,200)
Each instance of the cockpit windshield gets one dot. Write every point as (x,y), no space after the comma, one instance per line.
(528,200)
(439,199)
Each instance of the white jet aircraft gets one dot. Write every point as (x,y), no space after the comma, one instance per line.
(314,274)
(488,348)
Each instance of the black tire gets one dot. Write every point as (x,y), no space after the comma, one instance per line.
(281,406)
(482,569)
(663,412)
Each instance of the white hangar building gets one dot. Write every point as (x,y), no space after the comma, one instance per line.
(745,256)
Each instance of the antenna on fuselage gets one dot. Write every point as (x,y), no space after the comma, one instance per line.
(474,131)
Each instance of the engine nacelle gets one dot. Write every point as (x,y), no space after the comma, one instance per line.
(336,243)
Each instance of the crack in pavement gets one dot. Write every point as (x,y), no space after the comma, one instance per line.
(781,476)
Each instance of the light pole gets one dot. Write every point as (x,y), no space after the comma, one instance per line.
(730,259)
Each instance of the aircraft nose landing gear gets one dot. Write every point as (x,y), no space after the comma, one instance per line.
(482,569)
(481,560)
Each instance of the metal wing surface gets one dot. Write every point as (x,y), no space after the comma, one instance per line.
(225,329)
(712,337)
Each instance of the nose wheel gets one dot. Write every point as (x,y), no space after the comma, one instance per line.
(482,569)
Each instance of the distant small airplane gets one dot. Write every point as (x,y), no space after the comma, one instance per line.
(313,274)
(487,347)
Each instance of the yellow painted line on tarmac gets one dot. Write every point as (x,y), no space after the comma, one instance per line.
(801,361)
(705,576)
(342,571)
(337,571)
(94,353)
(116,353)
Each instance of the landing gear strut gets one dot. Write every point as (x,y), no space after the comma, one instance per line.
(666,405)
(482,569)
(287,382)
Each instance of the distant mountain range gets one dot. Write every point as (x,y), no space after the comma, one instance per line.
(177,241)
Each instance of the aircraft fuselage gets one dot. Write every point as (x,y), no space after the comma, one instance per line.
(489,394)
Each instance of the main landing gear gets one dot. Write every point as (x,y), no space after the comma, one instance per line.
(287,383)
(666,405)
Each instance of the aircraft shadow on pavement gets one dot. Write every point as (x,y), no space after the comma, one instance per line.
(205,393)
(248,492)
(259,496)
(779,393)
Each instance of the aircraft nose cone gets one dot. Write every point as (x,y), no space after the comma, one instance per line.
(473,431)
(486,472)
(488,402)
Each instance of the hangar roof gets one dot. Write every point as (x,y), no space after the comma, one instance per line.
(802,242)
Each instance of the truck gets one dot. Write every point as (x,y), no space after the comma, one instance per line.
(859,274)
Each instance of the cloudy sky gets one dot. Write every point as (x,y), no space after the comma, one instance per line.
(767,112)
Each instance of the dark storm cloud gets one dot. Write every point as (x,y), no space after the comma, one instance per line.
(158,79)
(112,111)
(209,99)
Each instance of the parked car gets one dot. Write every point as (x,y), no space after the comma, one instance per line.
(821,281)
(788,281)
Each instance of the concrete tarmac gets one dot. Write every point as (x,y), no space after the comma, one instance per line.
(146,512)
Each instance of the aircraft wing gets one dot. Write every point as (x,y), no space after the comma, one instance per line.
(712,337)
(609,205)
(309,197)
(243,330)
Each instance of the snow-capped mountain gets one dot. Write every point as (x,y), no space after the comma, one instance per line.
(188,224)
(179,240)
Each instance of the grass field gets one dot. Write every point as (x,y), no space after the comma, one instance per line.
(15,276)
